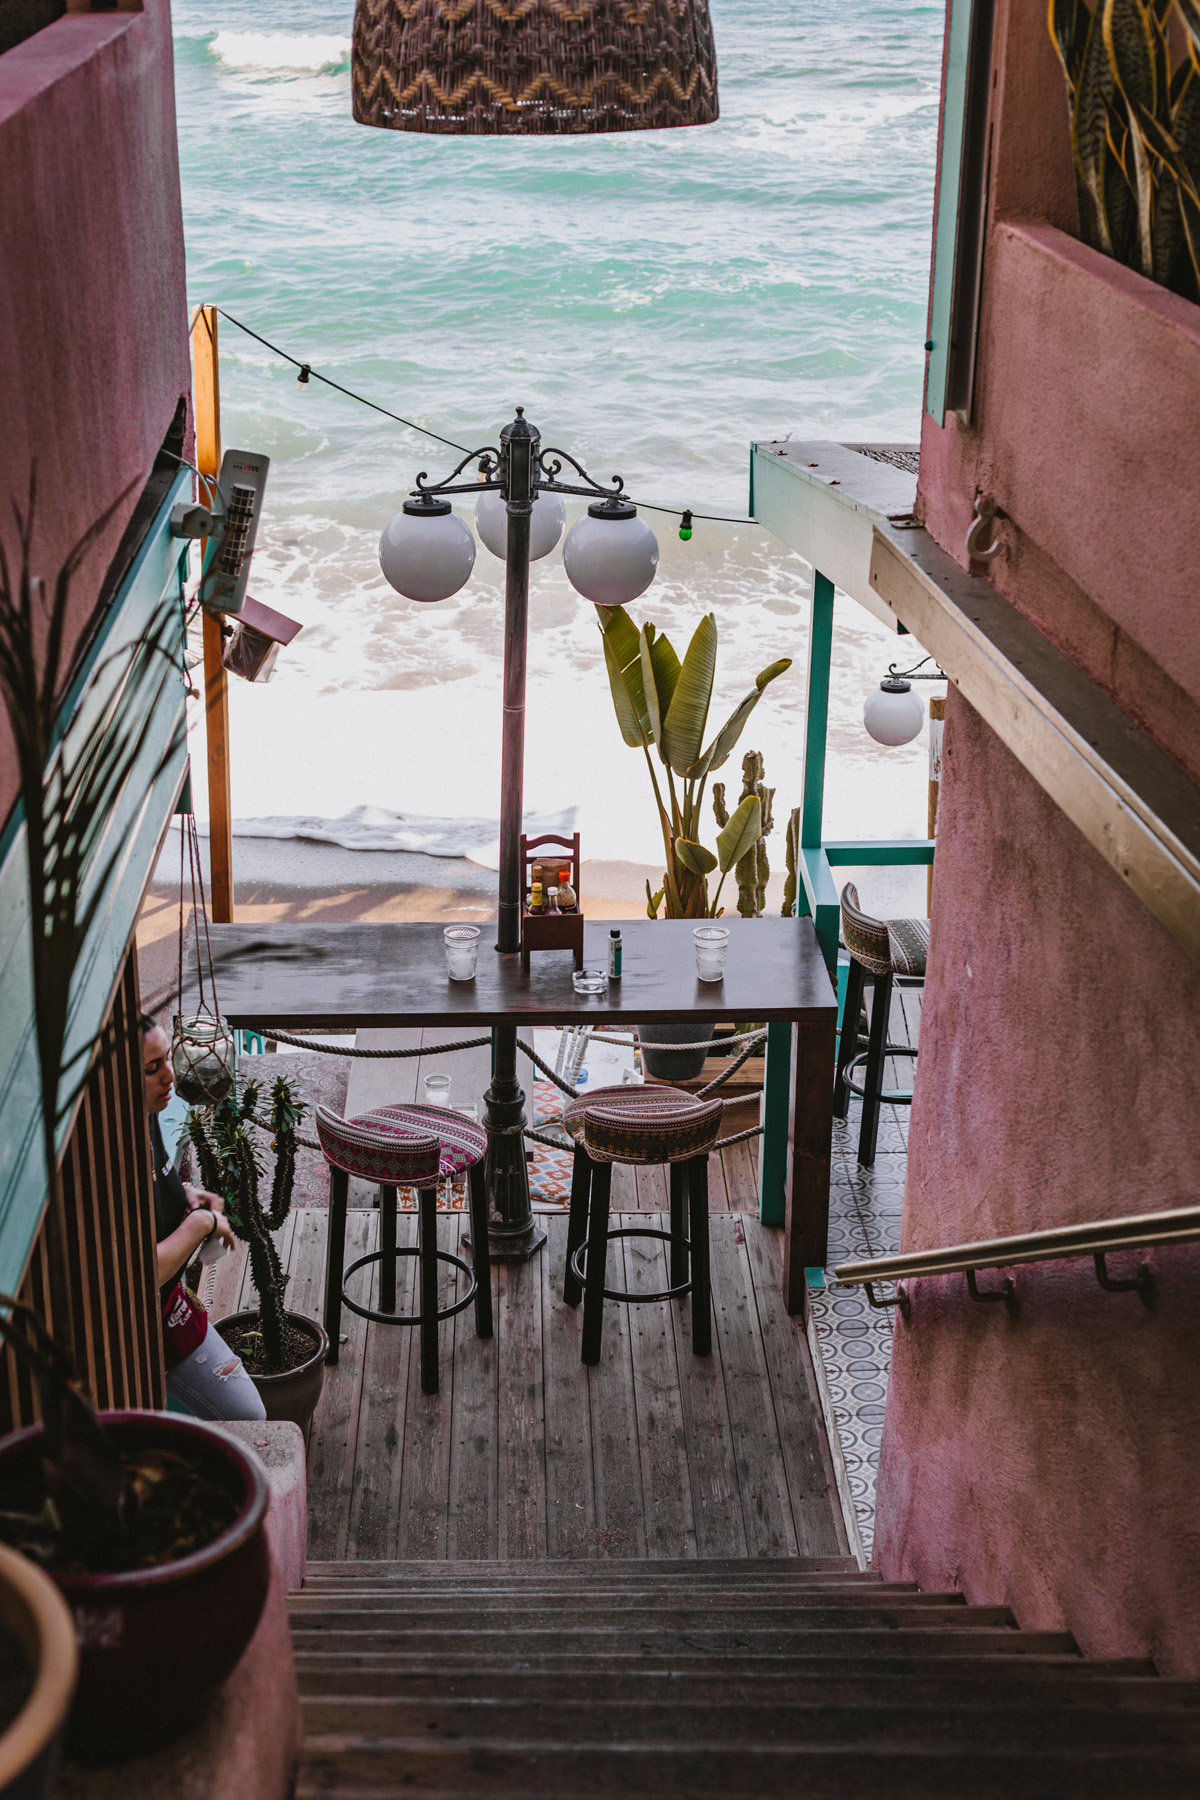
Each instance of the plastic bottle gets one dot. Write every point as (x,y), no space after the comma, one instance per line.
(566,893)
(614,955)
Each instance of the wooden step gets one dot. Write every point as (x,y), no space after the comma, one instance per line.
(904,1723)
(911,1611)
(568,1569)
(582,1649)
(412,1767)
(836,1682)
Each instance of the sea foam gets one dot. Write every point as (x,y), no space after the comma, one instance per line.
(281,52)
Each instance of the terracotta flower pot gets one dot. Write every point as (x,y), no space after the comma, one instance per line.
(294,1394)
(35,1616)
(156,1644)
(674,1065)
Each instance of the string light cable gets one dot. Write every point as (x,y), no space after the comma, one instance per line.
(307,374)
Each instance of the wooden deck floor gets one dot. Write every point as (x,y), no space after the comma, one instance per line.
(525,1453)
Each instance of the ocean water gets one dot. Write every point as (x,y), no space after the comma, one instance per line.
(655,301)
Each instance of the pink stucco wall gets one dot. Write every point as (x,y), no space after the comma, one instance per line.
(93,323)
(1049,1459)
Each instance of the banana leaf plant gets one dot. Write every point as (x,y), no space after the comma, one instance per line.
(662,705)
(1135,131)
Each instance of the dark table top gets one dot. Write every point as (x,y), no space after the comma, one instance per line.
(395,975)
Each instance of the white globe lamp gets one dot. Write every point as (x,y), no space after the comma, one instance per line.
(610,555)
(427,552)
(893,714)
(545,523)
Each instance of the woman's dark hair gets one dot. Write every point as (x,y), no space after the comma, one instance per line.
(148,1024)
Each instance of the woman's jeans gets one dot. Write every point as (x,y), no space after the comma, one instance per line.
(212,1383)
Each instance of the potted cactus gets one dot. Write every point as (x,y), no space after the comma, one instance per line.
(283,1352)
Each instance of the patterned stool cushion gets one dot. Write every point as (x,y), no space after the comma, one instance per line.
(891,947)
(462,1141)
(392,1155)
(633,1102)
(660,1131)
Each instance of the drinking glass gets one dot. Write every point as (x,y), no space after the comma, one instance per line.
(437,1090)
(462,949)
(711,942)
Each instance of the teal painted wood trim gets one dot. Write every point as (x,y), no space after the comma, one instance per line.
(949,192)
(824,903)
(878,852)
(137,824)
(816,709)
(772,1162)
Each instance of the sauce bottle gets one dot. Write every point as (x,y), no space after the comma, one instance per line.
(566,893)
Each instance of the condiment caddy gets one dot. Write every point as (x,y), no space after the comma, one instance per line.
(551,912)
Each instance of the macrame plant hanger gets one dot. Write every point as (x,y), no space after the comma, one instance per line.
(202,1050)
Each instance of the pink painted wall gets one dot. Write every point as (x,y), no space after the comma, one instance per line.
(93,322)
(1050,1459)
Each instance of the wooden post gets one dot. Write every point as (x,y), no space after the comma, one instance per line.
(206,403)
(937,717)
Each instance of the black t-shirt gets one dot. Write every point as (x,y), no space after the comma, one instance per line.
(170,1200)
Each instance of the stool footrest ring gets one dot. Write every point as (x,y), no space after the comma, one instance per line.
(384,1318)
(579,1265)
(888,1096)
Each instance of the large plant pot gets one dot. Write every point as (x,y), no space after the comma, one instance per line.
(156,1644)
(36,1619)
(293,1395)
(674,1065)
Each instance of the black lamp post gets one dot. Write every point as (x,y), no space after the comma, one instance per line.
(427,553)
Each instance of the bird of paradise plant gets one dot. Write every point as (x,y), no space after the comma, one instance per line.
(1135,132)
(662,702)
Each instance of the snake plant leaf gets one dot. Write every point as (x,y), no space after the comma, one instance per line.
(660,676)
(1128,28)
(687,715)
(1069,23)
(695,856)
(744,828)
(1093,94)
(629,700)
(1189,12)
(718,751)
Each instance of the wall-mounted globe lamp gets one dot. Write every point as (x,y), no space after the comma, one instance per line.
(427,553)
(893,714)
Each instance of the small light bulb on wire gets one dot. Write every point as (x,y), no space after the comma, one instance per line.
(685,525)
(303,378)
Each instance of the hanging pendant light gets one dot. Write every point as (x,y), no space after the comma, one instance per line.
(481,68)
(893,714)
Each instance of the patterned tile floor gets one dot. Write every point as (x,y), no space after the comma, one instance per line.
(855,1339)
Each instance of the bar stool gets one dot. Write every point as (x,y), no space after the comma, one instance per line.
(883,951)
(405,1146)
(642,1127)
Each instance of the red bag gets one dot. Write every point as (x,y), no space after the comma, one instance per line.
(184,1325)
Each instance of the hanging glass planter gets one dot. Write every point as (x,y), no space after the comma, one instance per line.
(202,1058)
(202,1049)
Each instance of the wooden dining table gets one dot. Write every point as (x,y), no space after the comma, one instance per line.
(304,977)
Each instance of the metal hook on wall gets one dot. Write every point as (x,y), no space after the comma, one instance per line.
(982,528)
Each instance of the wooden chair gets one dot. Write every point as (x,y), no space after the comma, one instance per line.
(405,1146)
(642,1127)
(882,952)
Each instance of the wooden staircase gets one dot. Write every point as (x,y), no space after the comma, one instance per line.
(805,1678)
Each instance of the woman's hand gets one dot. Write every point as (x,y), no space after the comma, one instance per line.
(175,1252)
(197,1197)
(223,1230)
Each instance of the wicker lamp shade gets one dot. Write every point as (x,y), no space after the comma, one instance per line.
(503,68)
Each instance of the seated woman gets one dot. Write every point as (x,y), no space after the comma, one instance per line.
(202,1372)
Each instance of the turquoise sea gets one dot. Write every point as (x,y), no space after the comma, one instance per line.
(654,300)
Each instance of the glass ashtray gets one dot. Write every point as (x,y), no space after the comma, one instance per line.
(589,981)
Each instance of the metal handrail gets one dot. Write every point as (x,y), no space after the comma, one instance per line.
(1180,1225)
